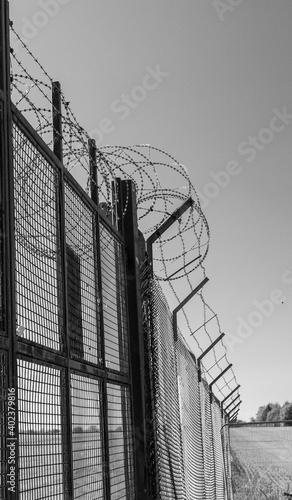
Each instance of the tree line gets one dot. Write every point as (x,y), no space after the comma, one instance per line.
(274,412)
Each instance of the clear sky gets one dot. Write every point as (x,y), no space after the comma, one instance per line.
(222,106)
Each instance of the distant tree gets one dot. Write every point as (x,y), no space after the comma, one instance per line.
(78,429)
(274,414)
(286,412)
(262,413)
(252,420)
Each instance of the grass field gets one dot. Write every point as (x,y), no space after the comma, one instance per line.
(261,462)
(42,467)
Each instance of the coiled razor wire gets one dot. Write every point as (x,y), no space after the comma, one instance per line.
(162,185)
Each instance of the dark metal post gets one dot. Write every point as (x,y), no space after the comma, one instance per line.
(231,411)
(233,401)
(57,120)
(166,225)
(93,171)
(230,394)
(62,270)
(234,417)
(183,303)
(7,215)
(217,378)
(130,228)
(206,352)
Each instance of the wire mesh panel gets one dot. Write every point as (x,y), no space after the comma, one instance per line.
(208,444)
(218,451)
(114,301)
(167,406)
(3,411)
(261,463)
(120,442)
(190,408)
(42,452)
(37,243)
(226,457)
(83,300)
(87,437)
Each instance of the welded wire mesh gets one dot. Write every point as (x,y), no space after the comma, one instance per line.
(168,436)
(190,408)
(120,442)
(38,283)
(218,451)
(184,435)
(226,457)
(42,457)
(261,461)
(113,301)
(208,443)
(87,437)
(82,276)
(3,423)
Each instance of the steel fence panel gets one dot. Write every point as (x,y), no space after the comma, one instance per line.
(218,451)
(190,407)
(208,442)
(120,443)
(83,298)
(87,437)
(42,458)
(114,305)
(3,422)
(165,401)
(37,240)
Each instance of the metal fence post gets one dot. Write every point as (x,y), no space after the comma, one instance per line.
(130,229)
(8,236)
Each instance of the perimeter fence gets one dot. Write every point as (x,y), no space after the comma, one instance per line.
(187,452)
(101,395)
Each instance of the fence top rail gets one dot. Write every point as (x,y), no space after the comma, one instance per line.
(255,424)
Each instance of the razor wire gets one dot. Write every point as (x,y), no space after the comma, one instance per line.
(162,185)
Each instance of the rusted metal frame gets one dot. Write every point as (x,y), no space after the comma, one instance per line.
(183,303)
(8,219)
(129,222)
(206,352)
(216,380)
(66,403)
